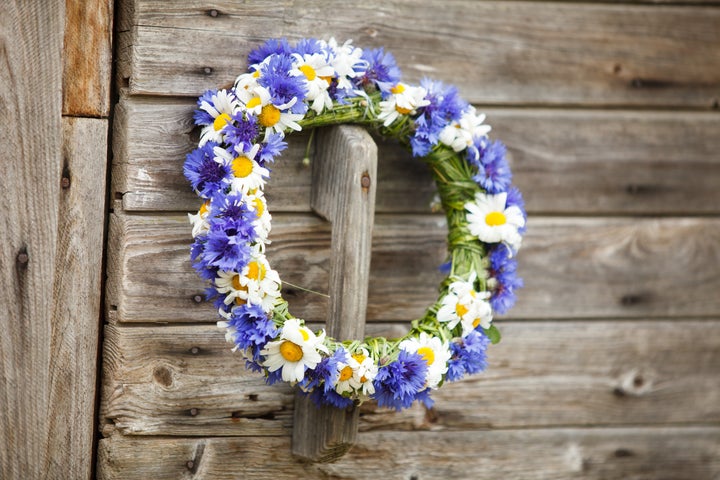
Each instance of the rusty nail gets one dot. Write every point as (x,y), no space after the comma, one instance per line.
(23,258)
(65,182)
(193,411)
(194,350)
(365,181)
(190,464)
(197,298)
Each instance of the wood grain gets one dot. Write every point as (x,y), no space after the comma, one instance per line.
(516,53)
(562,454)
(185,380)
(564,161)
(573,267)
(87,58)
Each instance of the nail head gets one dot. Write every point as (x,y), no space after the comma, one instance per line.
(23,258)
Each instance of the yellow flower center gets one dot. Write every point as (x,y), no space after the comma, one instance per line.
(253,102)
(242,167)
(204,208)
(399,88)
(476,322)
(460,309)
(269,116)
(236,283)
(359,357)
(495,219)
(220,121)
(345,374)
(256,74)
(308,71)
(290,351)
(363,379)
(256,271)
(259,207)
(304,334)
(427,354)
(402,111)
(327,79)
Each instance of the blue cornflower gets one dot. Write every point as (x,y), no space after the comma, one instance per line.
(201,117)
(226,247)
(273,377)
(212,294)
(445,106)
(253,328)
(382,71)
(231,207)
(283,87)
(493,172)
(203,172)
(468,356)
(514,197)
(503,268)
(308,46)
(398,383)
(242,131)
(320,381)
(270,148)
(200,264)
(270,47)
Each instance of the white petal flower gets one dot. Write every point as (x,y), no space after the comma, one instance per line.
(492,221)
(464,305)
(405,100)
(317,73)
(297,349)
(460,134)
(434,351)
(261,283)
(247,173)
(199,221)
(222,107)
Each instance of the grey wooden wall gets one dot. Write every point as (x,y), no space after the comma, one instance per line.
(610,362)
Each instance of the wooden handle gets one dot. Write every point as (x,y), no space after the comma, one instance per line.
(343,178)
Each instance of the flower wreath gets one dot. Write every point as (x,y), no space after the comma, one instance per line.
(316,83)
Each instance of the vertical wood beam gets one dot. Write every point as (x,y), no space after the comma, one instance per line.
(344,176)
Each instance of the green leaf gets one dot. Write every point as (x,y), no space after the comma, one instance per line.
(493,334)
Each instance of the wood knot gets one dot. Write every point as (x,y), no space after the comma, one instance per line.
(634,383)
(162,376)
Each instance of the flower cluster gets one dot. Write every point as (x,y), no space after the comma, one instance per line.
(315,83)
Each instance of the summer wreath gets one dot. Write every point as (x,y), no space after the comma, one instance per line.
(316,83)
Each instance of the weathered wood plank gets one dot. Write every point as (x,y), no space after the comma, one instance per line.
(87,58)
(31,145)
(344,179)
(563,454)
(185,380)
(564,161)
(75,319)
(496,52)
(573,267)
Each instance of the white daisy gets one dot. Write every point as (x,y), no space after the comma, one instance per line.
(248,81)
(228,282)
(492,221)
(261,283)
(434,351)
(460,134)
(405,100)
(224,104)
(257,203)
(318,74)
(247,173)
(275,118)
(347,62)
(199,221)
(462,304)
(364,375)
(297,349)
